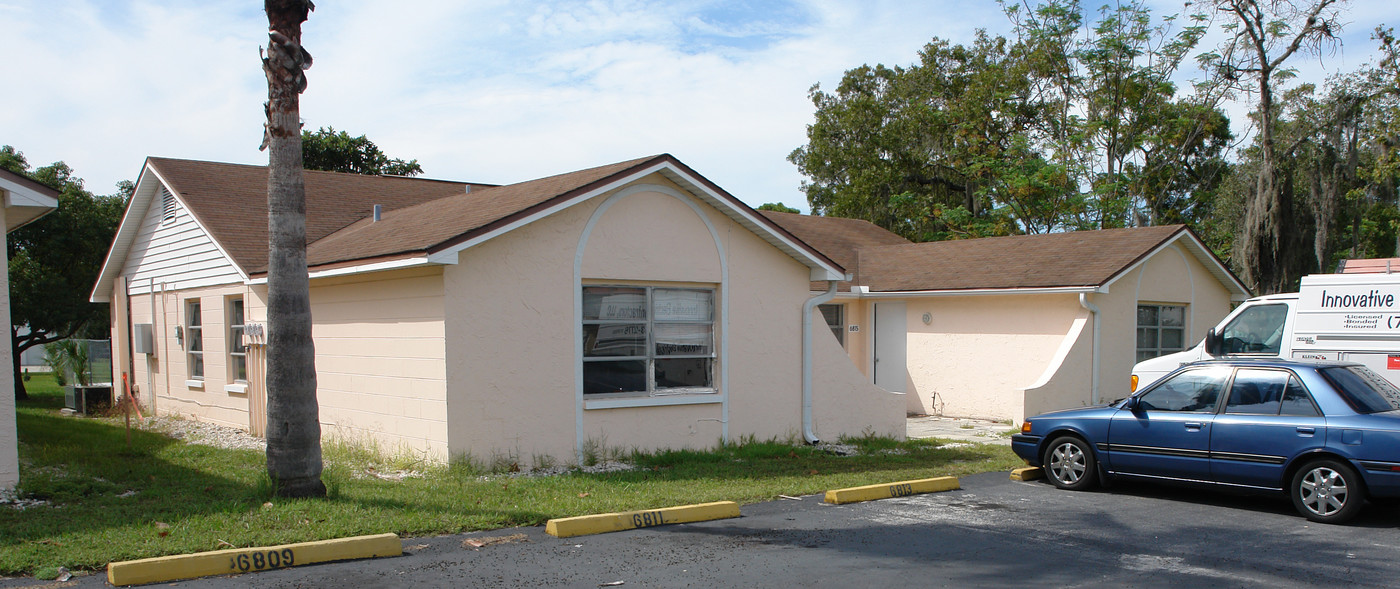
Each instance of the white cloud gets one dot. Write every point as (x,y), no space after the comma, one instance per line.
(491,91)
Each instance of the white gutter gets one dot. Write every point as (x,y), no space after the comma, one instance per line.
(1094,362)
(863,292)
(360,269)
(807,307)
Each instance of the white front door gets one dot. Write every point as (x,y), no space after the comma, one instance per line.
(889,358)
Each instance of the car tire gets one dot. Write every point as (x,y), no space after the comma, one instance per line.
(1069,463)
(1327,491)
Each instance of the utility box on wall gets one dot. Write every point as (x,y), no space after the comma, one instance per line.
(141,340)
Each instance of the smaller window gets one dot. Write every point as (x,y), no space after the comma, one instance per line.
(1257,392)
(836,320)
(1161,329)
(1256,330)
(194,339)
(237,353)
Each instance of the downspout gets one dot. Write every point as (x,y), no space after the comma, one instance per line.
(807,307)
(1094,362)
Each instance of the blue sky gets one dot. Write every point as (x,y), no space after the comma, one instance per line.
(486,91)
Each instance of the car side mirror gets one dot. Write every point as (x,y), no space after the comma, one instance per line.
(1214,343)
(1131,404)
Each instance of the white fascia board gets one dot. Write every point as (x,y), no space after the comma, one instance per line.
(820,270)
(1201,253)
(130,225)
(360,269)
(865,293)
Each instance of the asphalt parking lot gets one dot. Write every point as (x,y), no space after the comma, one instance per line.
(993,532)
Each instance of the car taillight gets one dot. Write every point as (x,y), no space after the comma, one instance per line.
(1135,380)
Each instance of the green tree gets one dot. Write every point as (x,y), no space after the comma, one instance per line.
(333,151)
(293,427)
(777,206)
(54,261)
(1272,252)
(1068,125)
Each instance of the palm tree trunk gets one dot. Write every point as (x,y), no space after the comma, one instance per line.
(293,416)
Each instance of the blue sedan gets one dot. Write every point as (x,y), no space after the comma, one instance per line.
(1325,433)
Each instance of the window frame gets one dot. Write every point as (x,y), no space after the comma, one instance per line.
(651,356)
(237,352)
(1157,328)
(194,339)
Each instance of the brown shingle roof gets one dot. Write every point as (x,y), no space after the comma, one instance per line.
(230,200)
(446,221)
(837,238)
(1075,259)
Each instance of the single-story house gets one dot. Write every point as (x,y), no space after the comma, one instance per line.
(632,305)
(1007,327)
(24,201)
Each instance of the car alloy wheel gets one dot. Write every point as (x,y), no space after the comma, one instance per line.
(1327,491)
(1070,463)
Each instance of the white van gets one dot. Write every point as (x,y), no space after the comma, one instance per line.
(1333,316)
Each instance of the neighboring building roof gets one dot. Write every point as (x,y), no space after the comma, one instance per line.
(1370,266)
(1072,260)
(837,237)
(427,220)
(230,201)
(26,199)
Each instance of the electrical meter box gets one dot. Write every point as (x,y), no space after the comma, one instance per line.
(141,341)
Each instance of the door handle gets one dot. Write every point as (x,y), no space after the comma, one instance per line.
(1193,426)
(1307,431)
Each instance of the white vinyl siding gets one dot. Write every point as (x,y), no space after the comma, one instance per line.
(178,253)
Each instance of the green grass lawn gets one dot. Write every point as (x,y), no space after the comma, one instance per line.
(109,501)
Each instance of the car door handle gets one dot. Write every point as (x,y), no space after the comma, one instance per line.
(1193,426)
(1307,431)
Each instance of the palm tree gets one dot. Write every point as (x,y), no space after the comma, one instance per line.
(293,424)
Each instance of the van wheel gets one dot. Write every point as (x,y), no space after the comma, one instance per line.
(1070,464)
(1327,491)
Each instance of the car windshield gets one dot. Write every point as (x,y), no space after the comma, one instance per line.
(1364,390)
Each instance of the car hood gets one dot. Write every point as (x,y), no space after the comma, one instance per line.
(1090,411)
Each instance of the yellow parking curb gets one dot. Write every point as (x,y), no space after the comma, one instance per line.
(1028,473)
(885,491)
(614,522)
(247,560)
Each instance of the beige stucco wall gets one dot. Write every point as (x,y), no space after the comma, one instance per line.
(843,400)
(978,352)
(379,358)
(512,361)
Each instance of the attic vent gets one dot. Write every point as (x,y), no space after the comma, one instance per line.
(167,207)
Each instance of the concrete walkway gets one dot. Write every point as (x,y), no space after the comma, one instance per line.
(962,429)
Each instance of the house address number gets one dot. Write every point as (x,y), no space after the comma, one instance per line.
(853,328)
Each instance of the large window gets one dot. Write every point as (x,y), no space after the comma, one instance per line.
(194,339)
(646,340)
(237,353)
(835,319)
(1161,329)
